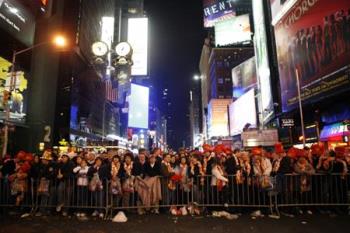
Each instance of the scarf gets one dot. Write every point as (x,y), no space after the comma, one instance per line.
(128,168)
(115,169)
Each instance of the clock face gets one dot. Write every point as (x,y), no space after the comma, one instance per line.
(99,48)
(123,49)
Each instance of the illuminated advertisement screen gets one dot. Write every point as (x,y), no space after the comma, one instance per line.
(138,107)
(243,77)
(313,42)
(218,117)
(17,21)
(138,39)
(242,112)
(232,31)
(18,100)
(262,62)
(217,10)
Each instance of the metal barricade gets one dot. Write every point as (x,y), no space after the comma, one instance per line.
(319,190)
(241,192)
(17,193)
(67,195)
(151,193)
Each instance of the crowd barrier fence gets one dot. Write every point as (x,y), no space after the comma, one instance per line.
(109,196)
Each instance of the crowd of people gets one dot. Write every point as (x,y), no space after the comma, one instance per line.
(181,181)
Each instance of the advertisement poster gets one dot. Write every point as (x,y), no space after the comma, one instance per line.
(138,39)
(244,77)
(217,10)
(232,31)
(18,98)
(313,41)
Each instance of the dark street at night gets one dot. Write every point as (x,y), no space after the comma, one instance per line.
(180,116)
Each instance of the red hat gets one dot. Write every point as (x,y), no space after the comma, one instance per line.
(228,151)
(292,152)
(279,148)
(220,148)
(207,148)
(256,151)
(301,153)
(29,157)
(317,149)
(21,155)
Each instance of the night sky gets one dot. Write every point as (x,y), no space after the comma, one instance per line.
(176,40)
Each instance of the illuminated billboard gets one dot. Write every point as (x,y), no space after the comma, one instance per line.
(232,31)
(262,62)
(138,39)
(243,77)
(17,21)
(242,112)
(217,10)
(218,117)
(107,30)
(138,107)
(18,100)
(312,42)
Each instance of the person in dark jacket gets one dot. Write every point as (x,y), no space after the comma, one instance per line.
(152,167)
(46,186)
(65,183)
(99,174)
(140,173)
(231,167)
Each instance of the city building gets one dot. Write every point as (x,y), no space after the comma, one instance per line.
(195,119)
(17,28)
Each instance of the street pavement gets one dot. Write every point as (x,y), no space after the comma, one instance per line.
(168,224)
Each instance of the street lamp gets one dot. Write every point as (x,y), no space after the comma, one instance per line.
(196,77)
(58,41)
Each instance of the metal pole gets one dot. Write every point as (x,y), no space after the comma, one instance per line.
(103,120)
(300,108)
(8,109)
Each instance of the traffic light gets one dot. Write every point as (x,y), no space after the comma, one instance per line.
(6,97)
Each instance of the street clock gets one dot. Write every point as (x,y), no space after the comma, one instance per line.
(123,49)
(99,49)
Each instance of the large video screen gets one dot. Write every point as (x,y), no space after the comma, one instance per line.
(217,10)
(242,112)
(138,107)
(19,98)
(262,62)
(138,39)
(313,42)
(218,117)
(232,31)
(244,77)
